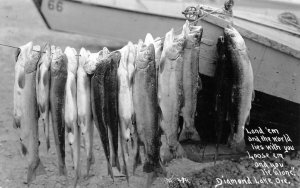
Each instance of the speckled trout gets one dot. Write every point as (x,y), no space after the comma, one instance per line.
(70,113)
(191,81)
(242,90)
(170,93)
(59,75)
(30,117)
(22,55)
(146,110)
(125,73)
(99,107)
(43,90)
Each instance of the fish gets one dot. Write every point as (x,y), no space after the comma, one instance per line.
(30,117)
(146,111)
(59,74)
(70,109)
(158,46)
(84,108)
(170,94)
(43,91)
(191,81)
(222,91)
(111,103)
(22,55)
(242,89)
(99,107)
(125,106)
(93,59)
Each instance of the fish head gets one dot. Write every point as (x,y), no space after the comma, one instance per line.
(131,59)
(33,59)
(105,52)
(91,62)
(149,39)
(73,59)
(124,53)
(23,53)
(145,56)
(115,56)
(233,39)
(46,56)
(176,48)
(59,61)
(84,54)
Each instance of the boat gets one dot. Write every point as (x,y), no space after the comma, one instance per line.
(274,48)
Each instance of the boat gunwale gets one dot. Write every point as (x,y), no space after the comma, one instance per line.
(210,18)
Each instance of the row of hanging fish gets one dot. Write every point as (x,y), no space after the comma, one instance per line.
(140,91)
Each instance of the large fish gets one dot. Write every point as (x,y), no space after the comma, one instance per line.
(30,117)
(59,75)
(242,90)
(111,103)
(43,90)
(22,55)
(125,73)
(146,111)
(70,109)
(99,107)
(84,108)
(170,94)
(93,59)
(191,80)
(222,91)
(87,66)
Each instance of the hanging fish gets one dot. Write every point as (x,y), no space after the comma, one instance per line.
(59,75)
(111,104)
(70,109)
(30,117)
(22,55)
(43,90)
(147,109)
(222,92)
(93,59)
(99,107)
(242,90)
(84,108)
(170,94)
(191,81)
(125,73)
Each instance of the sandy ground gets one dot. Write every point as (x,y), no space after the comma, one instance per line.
(19,24)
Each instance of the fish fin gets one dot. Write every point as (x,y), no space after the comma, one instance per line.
(21,79)
(16,54)
(35,169)
(156,171)
(16,123)
(248,120)
(24,149)
(161,65)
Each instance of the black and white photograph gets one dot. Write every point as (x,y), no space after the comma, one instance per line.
(150,93)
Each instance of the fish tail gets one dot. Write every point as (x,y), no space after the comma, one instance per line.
(110,171)
(180,153)
(154,171)
(36,168)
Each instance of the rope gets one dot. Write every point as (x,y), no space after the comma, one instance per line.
(6,45)
(200,18)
